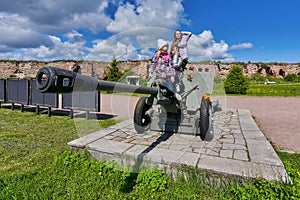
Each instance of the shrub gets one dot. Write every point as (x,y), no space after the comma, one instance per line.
(236,82)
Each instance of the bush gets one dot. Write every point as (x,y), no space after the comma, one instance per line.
(236,82)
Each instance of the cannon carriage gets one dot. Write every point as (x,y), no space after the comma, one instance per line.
(160,111)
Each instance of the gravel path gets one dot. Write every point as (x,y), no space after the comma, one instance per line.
(277,117)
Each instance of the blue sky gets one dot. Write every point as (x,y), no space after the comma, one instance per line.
(229,31)
(273,27)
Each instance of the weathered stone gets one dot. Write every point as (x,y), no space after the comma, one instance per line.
(226,153)
(178,147)
(223,165)
(248,124)
(200,150)
(188,158)
(261,151)
(240,155)
(109,146)
(137,150)
(212,153)
(119,134)
(239,141)
(141,141)
(119,139)
(254,134)
(83,141)
(228,136)
(234,146)
(224,140)
(165,156)
(109,137)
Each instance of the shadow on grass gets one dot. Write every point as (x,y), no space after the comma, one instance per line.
(130,181)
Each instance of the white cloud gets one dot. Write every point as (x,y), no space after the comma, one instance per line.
(95,22)
(54,17)
(27,24)
(203,47)
(71,49)
(42,30)
(128,45)
(241,46)
(11,55)
(105,50)
(147,13)
(131,44)
(75,37)
(16,32)
(125,46)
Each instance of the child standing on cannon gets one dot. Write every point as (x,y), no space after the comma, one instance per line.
(161,65)
(179,55)
(180,41)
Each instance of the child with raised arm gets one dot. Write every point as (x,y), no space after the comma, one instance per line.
(180,40)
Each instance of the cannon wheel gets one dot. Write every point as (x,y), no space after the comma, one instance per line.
(140,119)
(206,127)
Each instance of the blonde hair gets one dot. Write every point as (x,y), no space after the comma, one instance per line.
(158,53)
(175,48)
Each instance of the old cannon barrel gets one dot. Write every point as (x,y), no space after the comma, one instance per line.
(55,80)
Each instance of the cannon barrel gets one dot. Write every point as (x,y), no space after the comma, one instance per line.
(56,80)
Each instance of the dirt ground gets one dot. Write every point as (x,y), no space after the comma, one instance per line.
(277,117)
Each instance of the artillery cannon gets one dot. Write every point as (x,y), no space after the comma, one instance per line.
(160,111)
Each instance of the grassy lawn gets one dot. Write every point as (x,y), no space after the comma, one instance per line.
(35,164)
(285,90)
(29,142)
(255,89)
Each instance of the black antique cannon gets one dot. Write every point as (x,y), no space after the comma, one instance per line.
(160,111)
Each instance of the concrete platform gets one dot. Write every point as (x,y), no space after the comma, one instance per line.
(239,148)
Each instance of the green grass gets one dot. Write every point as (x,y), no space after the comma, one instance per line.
(28,141)
(35,163)
(282,90)
(286,90)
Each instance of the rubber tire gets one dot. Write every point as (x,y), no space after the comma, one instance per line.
(206,127)
(140,119)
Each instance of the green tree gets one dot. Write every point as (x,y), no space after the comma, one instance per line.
(114,74)
(236,82)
